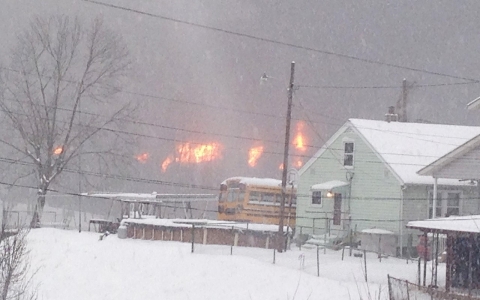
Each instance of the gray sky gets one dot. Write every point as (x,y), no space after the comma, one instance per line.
(205,83)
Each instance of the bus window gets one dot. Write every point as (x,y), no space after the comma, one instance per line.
(293,199)
(241,195)
(268,198)
(233,195)
(222,197)
(254,196)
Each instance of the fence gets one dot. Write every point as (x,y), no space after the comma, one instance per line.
(223,235)
(19,218)
(60,211)
(399,289)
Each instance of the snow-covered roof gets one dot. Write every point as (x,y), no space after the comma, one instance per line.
(187,223)
(329,185)
(409,147)
(469,224)
(123,196)
(153,197)
(450,156)
(256,181)
(376,231)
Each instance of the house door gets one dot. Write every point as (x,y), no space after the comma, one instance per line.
(337,209)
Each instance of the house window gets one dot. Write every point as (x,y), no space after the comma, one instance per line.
(316,197)
(348,154)
(453,204)
(448,203)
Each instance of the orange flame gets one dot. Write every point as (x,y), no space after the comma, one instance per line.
(187,153)
(58,150)
(142,157)
(298,163)
(299,140)
(253,155)
(166,163)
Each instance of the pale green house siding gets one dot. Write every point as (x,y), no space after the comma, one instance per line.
(376,197)
(374,194)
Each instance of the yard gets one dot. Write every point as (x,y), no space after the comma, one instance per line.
(72,265)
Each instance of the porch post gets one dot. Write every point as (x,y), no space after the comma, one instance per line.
(448,266)
(425,256)
(434,204)
(436,260)
(470,258)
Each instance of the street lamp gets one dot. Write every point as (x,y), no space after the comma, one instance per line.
(285,156)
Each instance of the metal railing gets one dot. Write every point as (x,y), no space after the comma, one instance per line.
(400,289)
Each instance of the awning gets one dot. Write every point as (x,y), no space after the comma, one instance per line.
(466,224)
(329,185)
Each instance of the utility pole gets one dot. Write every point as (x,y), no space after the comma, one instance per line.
(79,175)
(285,156)
(403,110)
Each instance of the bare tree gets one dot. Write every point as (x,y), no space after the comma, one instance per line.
(57,95)
(15,272)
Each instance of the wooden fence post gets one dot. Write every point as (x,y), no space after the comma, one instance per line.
(205,233)
(365,262)
(193,237)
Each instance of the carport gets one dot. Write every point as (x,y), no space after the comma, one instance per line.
(463,250)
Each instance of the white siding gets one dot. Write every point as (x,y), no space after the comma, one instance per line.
(465,167)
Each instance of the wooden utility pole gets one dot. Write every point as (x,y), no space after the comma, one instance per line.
(280,245)
(401,106)
(80,174)
(404,101)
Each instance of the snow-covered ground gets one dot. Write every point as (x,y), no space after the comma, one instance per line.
(72,265)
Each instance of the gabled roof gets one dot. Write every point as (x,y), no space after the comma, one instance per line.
(450,156)
(474,104)
(405,148)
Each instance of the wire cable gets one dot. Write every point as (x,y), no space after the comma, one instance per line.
(268,40)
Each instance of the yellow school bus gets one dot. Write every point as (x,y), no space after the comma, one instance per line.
(256,200)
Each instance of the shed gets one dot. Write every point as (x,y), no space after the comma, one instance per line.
(379,240)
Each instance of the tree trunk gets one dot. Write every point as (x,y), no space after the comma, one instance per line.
(37,213)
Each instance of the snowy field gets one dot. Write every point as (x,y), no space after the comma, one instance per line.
(72,265)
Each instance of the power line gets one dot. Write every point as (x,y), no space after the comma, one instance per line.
(216,189)
(339,87)
(204,187)
(278,153)
(258,210)
(255,139)
(235,110)
(268,40)
(176,100)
